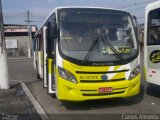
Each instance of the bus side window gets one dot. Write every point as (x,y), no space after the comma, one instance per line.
(40,43)
(35,44)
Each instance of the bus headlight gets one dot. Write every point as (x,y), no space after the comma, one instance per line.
(67,75)
(134,73)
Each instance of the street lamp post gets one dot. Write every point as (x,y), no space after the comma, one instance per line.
(4,82)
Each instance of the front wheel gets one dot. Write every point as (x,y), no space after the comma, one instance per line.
(53,94)
(38,76)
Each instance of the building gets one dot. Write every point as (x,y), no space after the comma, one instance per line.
(17,39)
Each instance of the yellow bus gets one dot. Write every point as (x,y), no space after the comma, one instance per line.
(86,53)
(152,43)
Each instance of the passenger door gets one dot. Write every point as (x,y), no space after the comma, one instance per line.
(51,36)
(153,47)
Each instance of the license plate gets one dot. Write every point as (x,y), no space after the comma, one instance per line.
(105,89)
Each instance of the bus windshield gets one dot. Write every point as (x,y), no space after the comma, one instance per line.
(97,35)
(154,27)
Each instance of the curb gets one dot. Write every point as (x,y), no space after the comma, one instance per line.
(37,106)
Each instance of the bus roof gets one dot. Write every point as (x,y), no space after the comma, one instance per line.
(85,7)
(151,6)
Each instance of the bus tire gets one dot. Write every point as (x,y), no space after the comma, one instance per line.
(53,95)
(38,76)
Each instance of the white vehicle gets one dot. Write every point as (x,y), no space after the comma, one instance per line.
(152,43)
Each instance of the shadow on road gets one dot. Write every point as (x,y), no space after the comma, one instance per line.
(15,105)
(153,90)
(104,103)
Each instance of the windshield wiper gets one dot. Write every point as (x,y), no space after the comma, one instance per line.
(90,50)
(113,49)
(93,46)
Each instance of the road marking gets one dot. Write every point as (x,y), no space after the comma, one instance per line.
(37,106)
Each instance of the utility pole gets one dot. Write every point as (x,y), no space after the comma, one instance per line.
(29,33)
(4,82)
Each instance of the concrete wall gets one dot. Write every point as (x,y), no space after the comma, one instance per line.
(22,46)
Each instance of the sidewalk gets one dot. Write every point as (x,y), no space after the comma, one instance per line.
(14,103)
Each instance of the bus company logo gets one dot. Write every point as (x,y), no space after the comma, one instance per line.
(103,64)
(155,56)
(104,77)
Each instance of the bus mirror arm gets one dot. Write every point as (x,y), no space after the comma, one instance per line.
(53,54)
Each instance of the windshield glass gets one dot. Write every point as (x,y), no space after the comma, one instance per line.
(154,27)
(97,35)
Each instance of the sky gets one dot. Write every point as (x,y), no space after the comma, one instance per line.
(15,11)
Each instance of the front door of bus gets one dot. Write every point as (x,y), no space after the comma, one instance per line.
(48,63)
(153,47)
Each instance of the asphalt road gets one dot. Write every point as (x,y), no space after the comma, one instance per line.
(14,103)
(147,102)
(21,69)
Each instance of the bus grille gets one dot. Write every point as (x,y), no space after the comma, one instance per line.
(101,72)
(99,81)
(96,93)
(102,94)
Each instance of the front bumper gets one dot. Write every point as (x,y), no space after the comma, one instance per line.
(88,91)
